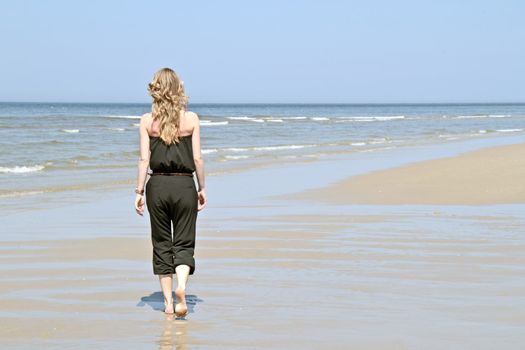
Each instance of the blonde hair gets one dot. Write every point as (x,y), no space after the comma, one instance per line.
(169,102)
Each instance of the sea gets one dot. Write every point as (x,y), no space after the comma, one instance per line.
(53,148)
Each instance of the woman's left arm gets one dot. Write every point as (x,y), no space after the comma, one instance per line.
(143,164)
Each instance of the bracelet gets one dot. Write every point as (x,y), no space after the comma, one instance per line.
(139,192)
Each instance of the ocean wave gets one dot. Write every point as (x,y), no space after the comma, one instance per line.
(474,116)
(117,129)
(208,151)
(135,124)
(378,140)
(267,148)
(250,119)
(509,130)
(22,169)
(320,118)
(294,118)
(376,149)
(275,120)
(274,148)
(240,118)
(70,131)
(358,143)
(236,157)
(122,116)
(373,118)
(210,123)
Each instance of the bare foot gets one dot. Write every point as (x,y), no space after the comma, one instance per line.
(181,309)
(168,307)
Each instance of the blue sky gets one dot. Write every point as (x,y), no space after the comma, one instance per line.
(265,51)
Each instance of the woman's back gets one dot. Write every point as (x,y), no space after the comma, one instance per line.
(174,158)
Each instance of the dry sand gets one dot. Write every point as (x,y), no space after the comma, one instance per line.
(487,176)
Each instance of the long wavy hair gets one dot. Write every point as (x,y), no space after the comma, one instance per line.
(169,102)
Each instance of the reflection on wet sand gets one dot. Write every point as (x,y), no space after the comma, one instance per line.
(174,334)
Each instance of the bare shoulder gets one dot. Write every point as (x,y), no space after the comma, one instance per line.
(146,119)
(146,116)
(192,115)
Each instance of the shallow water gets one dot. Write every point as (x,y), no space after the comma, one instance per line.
(50,148)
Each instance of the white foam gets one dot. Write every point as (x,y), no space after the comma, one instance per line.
(470,116)
(136,124)
(273,148)
(320,118)
(374,118)
(482,131)
(482,116)
(236,157)
(266,148)
(250,119)
(392,117)
(123,116)
(509,130)
(21,169)
(237,149)
(376,149)
(210,123)
(358,143)
(240,118)
(378,140)
(117,129)
(208,151)
(294,118)
(70,131)
(275,120)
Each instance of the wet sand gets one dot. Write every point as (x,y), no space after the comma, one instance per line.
(276,274)
(372,282)
(489,176)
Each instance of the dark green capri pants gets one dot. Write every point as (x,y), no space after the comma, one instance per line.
(172,199)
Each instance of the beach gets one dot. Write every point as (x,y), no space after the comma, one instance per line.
(487,176)
(324,261)
(363,169)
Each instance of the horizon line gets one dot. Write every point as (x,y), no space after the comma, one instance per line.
(286,103)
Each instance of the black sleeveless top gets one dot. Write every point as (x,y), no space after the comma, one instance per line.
(174,158)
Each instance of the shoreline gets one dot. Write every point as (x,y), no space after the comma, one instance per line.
(66,191)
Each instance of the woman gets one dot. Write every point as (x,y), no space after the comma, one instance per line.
(170,146)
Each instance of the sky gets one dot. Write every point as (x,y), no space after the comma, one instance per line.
(271,51)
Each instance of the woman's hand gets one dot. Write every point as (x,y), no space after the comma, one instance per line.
(139,204)
(202,200)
